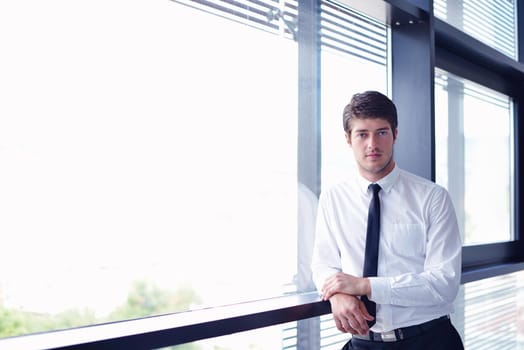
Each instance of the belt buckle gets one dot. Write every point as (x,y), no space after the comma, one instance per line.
(388,336)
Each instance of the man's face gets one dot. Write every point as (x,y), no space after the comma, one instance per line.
(372,142)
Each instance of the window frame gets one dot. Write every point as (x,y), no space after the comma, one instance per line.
(462,55)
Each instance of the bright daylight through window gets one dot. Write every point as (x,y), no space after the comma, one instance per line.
(148,162)
(474,156)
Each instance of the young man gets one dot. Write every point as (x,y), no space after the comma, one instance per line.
(405,301)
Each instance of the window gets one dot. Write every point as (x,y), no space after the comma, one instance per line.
(354,59)
(493,22)
(148,159)
(490,312)
(474,156)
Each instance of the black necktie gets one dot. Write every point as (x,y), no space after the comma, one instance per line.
(372,239)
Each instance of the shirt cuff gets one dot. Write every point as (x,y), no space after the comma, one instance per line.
(380,289)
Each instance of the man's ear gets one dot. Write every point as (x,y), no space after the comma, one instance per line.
(395,134)
(348,137)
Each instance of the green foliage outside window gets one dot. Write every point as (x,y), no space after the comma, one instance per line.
(144,299)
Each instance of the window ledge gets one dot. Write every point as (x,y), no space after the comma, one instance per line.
(487,271)
(176,328)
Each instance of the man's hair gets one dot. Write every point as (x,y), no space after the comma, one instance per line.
(370,104)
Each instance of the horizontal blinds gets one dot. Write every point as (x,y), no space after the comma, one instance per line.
(476,91)
(491,312)
(278,17)
(347,31)
(492,22)
(342,29)
(330,337)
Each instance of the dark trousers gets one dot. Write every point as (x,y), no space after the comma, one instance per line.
(441,337)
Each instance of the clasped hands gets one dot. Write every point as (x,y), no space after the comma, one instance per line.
(349,312)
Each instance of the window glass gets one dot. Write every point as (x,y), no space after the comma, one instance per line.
(474,156)
(493,22)
(489,313)
(147,161)
(347,68)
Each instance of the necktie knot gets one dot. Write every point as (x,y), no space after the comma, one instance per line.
(375,188)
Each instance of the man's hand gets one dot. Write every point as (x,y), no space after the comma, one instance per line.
(350,314)
(347,284)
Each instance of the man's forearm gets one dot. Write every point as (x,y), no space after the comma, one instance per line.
(347,284)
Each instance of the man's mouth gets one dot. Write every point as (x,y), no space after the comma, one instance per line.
(373,155)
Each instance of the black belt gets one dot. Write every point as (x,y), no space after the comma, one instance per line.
(401,333)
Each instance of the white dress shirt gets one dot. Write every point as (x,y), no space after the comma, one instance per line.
(420,247)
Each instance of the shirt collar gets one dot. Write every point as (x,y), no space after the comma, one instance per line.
(386,183)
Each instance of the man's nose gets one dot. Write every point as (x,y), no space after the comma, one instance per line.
(372,141)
